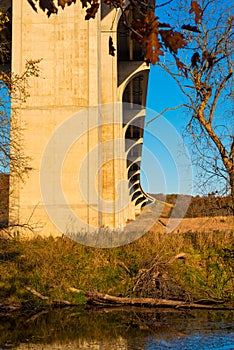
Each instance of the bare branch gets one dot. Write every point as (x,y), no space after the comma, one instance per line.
(174,76)
(164,4)
(217,94)
(206,89)
(167,110)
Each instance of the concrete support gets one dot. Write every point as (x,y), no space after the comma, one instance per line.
(78,99)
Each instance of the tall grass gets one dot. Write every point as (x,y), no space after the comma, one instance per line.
(51,266)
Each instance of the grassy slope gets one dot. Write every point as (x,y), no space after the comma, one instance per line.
(51,266)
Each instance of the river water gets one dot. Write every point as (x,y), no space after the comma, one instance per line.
(117,329)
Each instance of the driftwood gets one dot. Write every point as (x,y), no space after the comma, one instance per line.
(106,300)
(36,294)
(109,302)
(74,290)
(53,301)
(100,299)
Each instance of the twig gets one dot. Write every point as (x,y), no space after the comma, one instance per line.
(122,264)
(164,111)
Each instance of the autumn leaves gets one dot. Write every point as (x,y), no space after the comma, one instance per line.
(154,36)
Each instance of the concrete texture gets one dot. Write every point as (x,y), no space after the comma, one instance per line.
(80,84)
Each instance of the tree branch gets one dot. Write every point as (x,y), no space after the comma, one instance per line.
(217,94)
(177,81)
(166,110)
(164,4)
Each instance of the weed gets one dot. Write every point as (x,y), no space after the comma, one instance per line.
(52,265)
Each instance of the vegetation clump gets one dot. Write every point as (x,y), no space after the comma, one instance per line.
(187,267)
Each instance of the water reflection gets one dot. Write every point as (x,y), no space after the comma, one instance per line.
(117,329)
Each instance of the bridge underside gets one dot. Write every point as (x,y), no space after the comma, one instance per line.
(82,125)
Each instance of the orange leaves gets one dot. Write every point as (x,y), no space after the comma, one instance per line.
(180,65)
(145,31)
(139,30)
(195,7)
(45,5)
(208,59)
(154,37)
(190,28)
(92,10)
(172,40)
(91,5)
(195,59)
(33,5)
(48,6)
(115,3)
(153,48)
(148,31)
(63,3)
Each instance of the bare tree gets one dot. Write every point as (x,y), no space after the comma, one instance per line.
(13,93)
(13,90)
(205,79)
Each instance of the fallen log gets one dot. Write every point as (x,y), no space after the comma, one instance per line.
(54,302)
(36,294)
(101,299)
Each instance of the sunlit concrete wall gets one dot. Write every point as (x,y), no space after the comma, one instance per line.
(77,73)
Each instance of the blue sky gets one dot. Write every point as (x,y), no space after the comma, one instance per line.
(161,168)
(162,93)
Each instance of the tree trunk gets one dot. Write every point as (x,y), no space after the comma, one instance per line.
(231,181)
(101,299)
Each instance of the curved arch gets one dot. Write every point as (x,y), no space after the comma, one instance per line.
(109,19)
(133,190)
(150,198)
(144,202)
(134,174)
(136,194)
(130,176)
(132,88)
(134,165)
(134,184)
(137,199)
(138,143)
(142,69)
(139,115)
(137,160)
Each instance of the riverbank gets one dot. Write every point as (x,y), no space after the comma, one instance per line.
(187,267)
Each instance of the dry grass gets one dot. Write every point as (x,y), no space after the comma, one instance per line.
(203,224)
(51,266)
